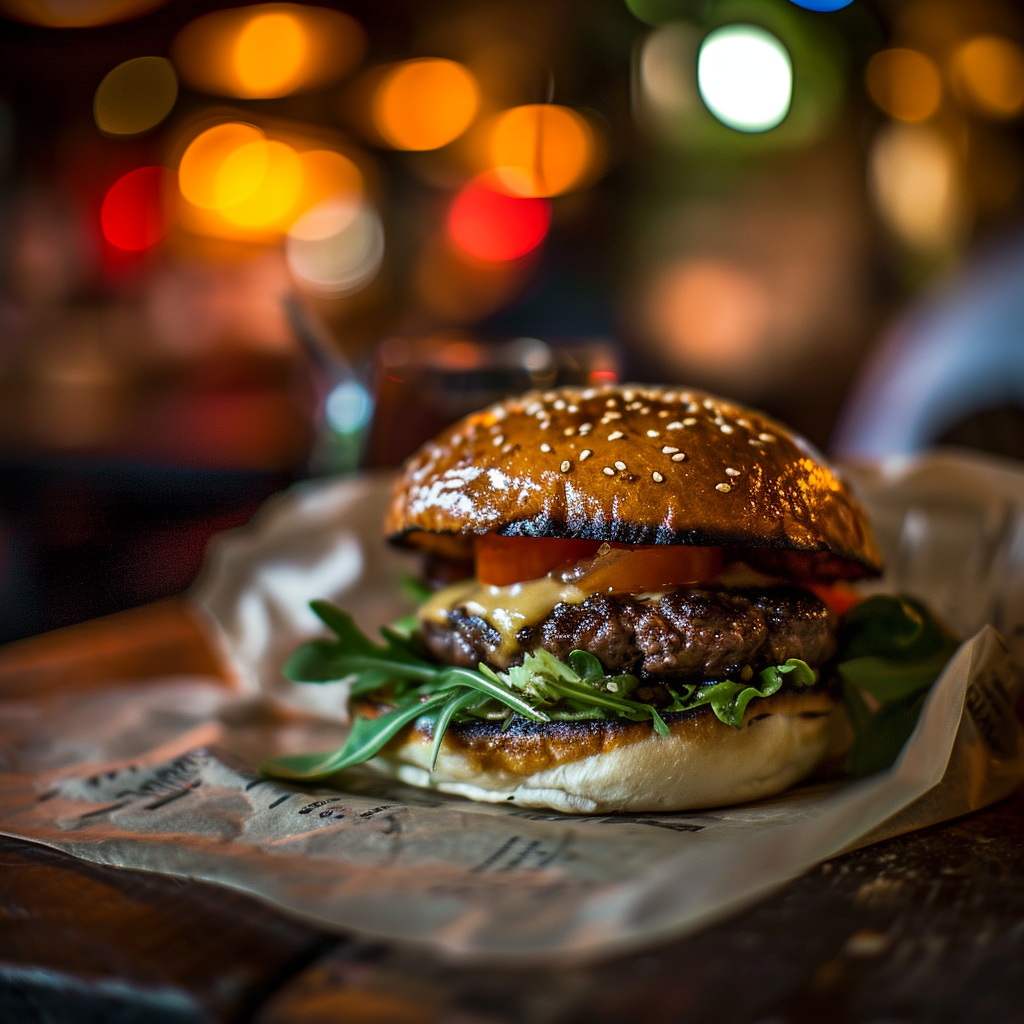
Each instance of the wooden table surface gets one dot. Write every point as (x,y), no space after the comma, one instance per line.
(925,927)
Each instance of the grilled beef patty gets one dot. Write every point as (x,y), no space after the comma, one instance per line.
(693,633)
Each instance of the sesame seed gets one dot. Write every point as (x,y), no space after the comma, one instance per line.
(545,424)
(590,393)
(572,408)
(690,421)
(620,466)
(743,423)
(545,447)
(569,431)
(724,488)
(657,477)
(585,428)
(645,411)
(615,435)
(608,471)
(766,437)
(559,404)
(613,415)
(564,467)
(662,414)
(708,404)
(629,395)
(585,454)
(674,425)
(726,429)
(499,440)
(668,449)
(611,403)
(679,457)
(653,433)
(507,448)
(732,472)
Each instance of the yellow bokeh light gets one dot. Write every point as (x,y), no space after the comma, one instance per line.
(904,83)
(327,173)
(277,171)
(201,176)
(989,71)
(425,103)
(541,149)
(269,54)
(135,96)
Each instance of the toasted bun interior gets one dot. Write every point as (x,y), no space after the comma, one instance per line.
(635,465)
(603,766)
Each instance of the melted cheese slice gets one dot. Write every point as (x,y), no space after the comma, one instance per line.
(507,609)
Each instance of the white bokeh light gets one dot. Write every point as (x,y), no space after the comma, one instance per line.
(337,247)
(745,77)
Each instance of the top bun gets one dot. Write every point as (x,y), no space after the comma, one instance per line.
(603,463)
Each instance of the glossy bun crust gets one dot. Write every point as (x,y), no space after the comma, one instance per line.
(604,464)
(603,766)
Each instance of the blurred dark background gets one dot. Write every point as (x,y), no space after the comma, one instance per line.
(246,245)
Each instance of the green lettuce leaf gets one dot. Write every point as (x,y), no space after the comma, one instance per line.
(891,651)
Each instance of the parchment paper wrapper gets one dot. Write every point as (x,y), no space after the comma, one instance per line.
(159,776)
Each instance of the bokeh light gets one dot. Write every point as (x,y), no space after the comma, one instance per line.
(822,5)
(989,73)
(425,103)
(904,83)
(667,59)
(913,177)
(277,171)
(267,50)
(135,214)
(541,149)
(78,14)
(745,77)
(327,173)
(348,407)
(269,54)
(711,315)
(211,176)
(135,96)
(492,226)
(337,247)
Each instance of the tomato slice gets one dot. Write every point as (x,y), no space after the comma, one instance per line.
(642,569)
(501,561)
(625,568)
(839,596)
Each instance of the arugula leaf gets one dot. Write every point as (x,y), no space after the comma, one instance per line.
(881,739)
(366,738)
(540,689)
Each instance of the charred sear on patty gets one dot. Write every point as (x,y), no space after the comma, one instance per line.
(692,633)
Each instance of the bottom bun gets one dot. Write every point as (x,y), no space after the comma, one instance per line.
(596,766)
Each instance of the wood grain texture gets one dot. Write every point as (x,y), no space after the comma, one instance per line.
(81,941)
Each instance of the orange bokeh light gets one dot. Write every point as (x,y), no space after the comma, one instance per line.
(326,173)
(269,54)
(211,175)
(425,103)
(267,50)
(989,72)
(904,83)
(541,149)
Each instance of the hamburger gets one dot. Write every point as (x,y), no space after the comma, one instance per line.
(638,591)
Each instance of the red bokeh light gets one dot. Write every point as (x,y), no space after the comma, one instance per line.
(496,227)
(135,214)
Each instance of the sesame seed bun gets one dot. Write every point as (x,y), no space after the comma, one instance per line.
(616,765)
(634,464)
